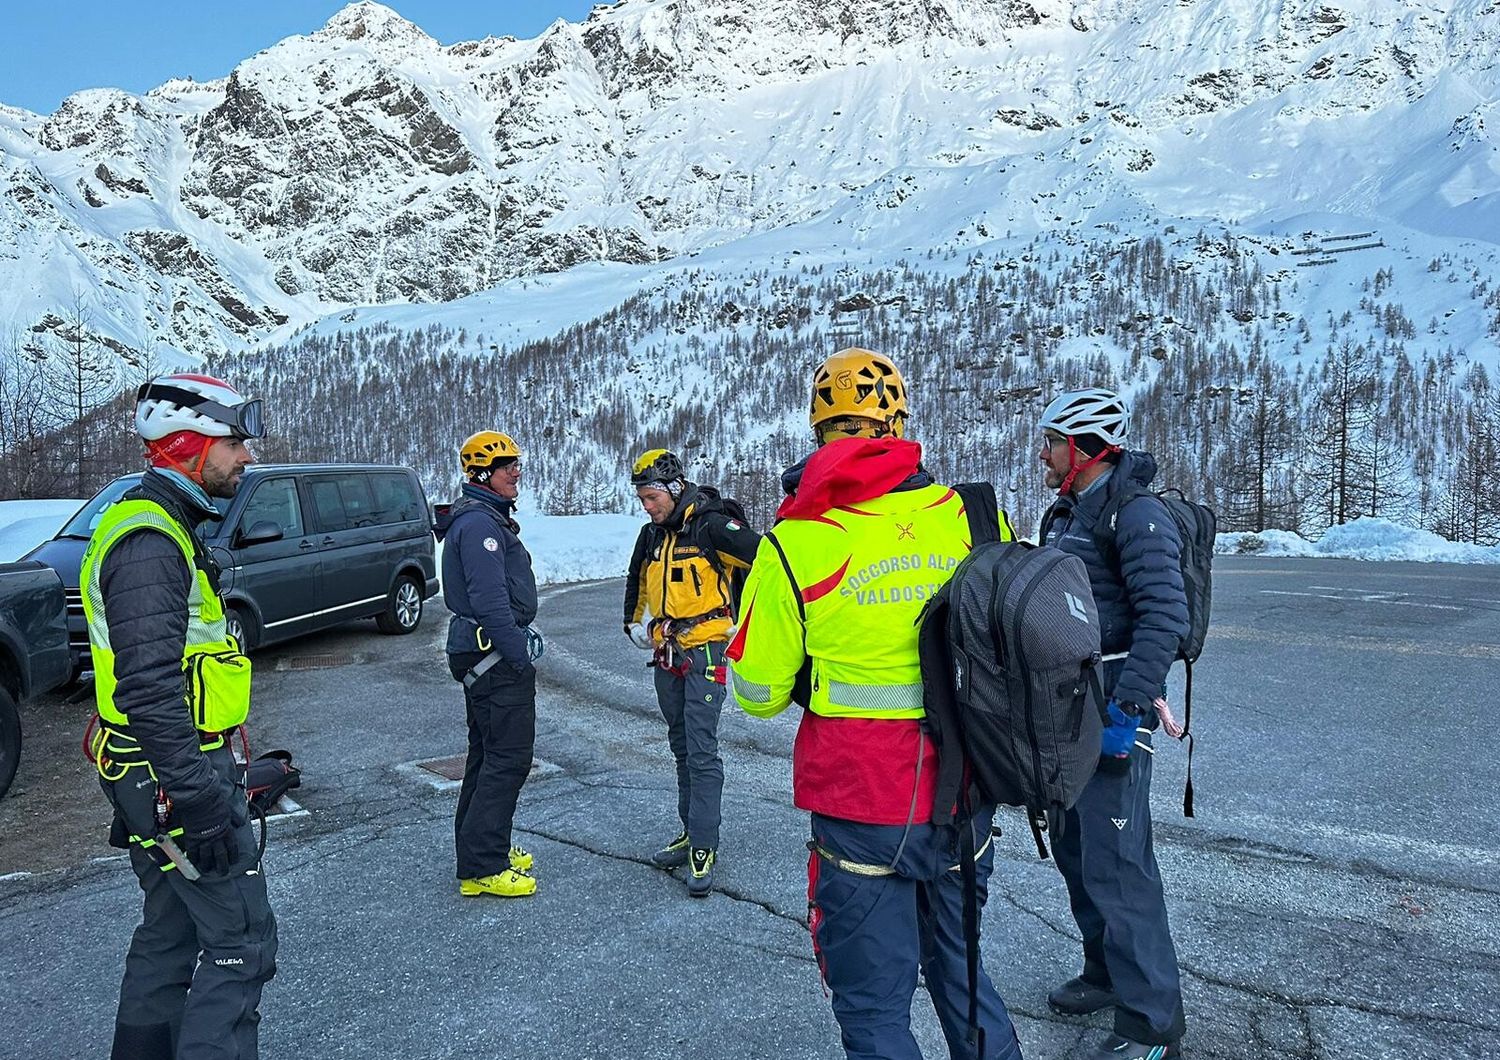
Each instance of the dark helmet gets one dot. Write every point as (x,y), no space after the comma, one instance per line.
(656,465)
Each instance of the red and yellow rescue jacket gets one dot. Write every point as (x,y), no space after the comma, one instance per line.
(867,540)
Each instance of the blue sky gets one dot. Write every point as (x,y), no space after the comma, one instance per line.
(49,48)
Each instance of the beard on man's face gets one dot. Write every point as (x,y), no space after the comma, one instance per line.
(217,483)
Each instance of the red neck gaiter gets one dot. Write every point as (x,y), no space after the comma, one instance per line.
(851,470)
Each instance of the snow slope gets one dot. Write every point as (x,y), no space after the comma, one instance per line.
(365,163)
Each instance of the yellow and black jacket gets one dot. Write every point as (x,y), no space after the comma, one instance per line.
(167,679)
(686,568)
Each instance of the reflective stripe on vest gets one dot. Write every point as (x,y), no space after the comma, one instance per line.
(205,612)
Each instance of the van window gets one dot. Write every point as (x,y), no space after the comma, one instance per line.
(396,498)
(342,502)
(277,502)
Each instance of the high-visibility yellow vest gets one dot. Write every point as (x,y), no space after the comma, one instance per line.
(216,688)
(863,573)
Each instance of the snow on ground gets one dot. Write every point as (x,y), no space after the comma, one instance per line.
(568,548)
(1365,539)
(575,548)
(572,548)
(26,524)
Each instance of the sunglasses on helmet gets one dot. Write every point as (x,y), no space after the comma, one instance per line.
(246,420)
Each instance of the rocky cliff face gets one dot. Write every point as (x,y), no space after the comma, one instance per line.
(368,163)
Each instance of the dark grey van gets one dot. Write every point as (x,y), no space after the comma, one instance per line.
(302,547)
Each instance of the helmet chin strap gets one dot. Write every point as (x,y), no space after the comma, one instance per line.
(160,457)
(1075,468)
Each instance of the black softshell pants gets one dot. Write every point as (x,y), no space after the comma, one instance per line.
(1104,853)
(691,704)
(215,935)
(501,708)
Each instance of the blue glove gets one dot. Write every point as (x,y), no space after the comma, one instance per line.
(1119,736)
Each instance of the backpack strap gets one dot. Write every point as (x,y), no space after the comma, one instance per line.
(1104,541)
(1038,823)
(1104,526)
(1187,736)
(802,683)
(791,579)
(970,877)
(982,509)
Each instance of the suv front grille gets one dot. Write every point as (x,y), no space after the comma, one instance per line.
(78,629)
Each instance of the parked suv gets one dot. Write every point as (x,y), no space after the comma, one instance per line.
(34,655)
(302,547)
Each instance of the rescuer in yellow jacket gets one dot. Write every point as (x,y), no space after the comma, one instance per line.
(170,686)
(680,592)
(829,618)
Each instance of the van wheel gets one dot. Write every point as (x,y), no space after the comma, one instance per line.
(403,608)
(236,626)
(10,739)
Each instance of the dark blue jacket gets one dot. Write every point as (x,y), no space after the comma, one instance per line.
(1142,607)
(487,578)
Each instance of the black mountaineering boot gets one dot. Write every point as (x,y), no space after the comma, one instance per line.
(1116,1048)
(673,854)
(701,879)
(1079,997)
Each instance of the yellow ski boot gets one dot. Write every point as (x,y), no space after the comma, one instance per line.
(521,860)
(507,884)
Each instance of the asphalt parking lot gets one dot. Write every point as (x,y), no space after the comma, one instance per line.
(1336,896)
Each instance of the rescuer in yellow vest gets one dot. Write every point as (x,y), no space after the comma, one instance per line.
(829,617)
(171,687)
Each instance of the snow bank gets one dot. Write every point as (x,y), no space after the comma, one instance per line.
(572,548)
(568,548)
(1363,539)
(575,548)
(26,524)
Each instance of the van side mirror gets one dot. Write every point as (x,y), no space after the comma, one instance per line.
(259,534)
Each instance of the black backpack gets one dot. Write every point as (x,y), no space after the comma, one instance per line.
(268,778)
(735,576)
(1196,526)
(1009,649)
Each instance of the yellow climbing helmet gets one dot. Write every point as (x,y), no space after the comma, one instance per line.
(481,449)
(656,465)
(862,383)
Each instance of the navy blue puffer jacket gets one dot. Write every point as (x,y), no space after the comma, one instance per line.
(487,576)
(1142,607)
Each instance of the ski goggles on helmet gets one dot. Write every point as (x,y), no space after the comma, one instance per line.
(245,420)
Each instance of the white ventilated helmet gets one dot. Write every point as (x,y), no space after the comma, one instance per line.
(1093,411)
(197,403)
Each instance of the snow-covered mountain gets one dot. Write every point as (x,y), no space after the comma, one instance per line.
(367,163)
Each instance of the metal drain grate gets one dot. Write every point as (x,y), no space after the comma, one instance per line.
(447,773)
(326,661)
(447,768)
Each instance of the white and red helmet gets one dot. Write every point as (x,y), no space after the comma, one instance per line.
(197,403)
(1094,411)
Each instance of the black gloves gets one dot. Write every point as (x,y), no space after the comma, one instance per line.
(208,827)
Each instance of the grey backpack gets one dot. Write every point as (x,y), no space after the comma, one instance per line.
(1010,656)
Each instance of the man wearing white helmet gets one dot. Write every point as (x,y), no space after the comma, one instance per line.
(1104,848)
(170,687)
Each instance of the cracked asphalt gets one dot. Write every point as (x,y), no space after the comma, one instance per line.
(1337,894)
